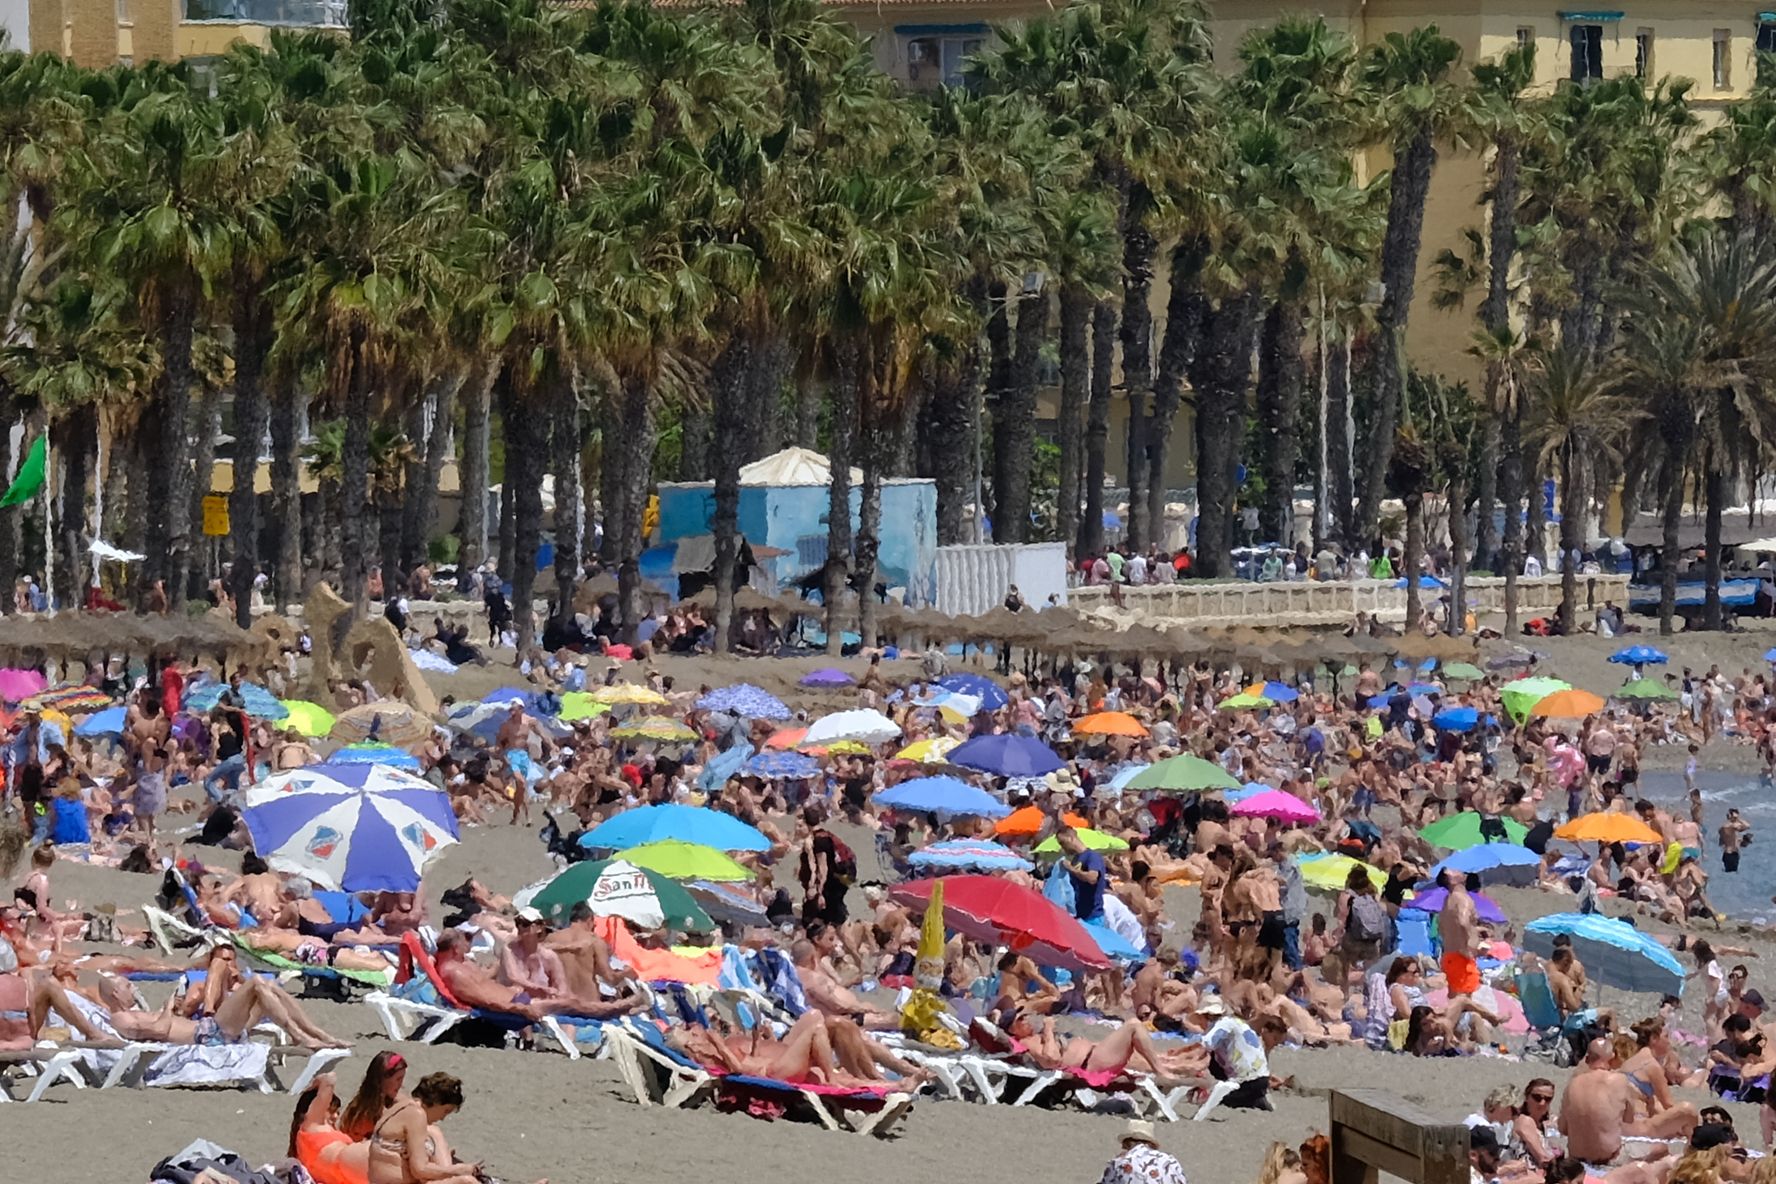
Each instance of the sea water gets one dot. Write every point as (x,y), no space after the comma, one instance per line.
(1743,895)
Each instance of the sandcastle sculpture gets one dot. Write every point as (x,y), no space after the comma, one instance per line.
(341,649)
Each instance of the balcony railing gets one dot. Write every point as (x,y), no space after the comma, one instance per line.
(306,14)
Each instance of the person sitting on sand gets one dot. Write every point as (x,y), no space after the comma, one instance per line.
(1600,1106)
(1530,1126)
(1646,1068)
(316,1142)
(408,1147)
(381,1088)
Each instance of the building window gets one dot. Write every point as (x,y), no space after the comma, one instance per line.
(1526,35)
(1766,37)
(123,16)
(937,59)
(1643,55)
(1587,52)
(1723,59)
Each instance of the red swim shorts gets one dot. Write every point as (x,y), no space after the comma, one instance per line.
(1462,972)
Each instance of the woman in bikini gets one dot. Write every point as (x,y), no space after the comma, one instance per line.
(380,1089)
(1128,1045)
(316,1142)
(407,1146)
(1646,1068)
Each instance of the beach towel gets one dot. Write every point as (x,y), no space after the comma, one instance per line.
(658,965)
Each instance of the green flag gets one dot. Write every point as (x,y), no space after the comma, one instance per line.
(30,476)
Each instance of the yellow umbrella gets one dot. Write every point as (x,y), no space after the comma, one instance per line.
(840,747)
(653,727)
(309,719)
(930,751)
(627,693)
(1096,840)
(686,861)
(1330,872)
(577,705)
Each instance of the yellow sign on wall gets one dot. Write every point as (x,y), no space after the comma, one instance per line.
(215,510)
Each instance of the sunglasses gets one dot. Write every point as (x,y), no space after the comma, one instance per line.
(1541,1097)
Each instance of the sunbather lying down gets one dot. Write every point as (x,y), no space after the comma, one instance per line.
(249,1003)
(818,1049)
(1130,1046)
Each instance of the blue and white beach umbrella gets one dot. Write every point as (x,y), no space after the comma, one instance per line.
(747,700)
(375,754)
(1614,952)
(783,765)
(977,855)
(255,699)
(1639,655)
(355,828)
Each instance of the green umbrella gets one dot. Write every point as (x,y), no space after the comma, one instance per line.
(1096,840)
(580,705)
(310,719)
(1243,699)
(617,888)
(686,861)
(1643,688)
(1463,672)
(1184,774)
(1458,832)
(1524,693)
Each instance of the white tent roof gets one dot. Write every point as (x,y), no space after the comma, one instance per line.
(792,466)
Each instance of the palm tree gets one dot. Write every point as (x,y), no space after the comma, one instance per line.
(1576,419)
(1504,354)
(1409,473)
(1406,80)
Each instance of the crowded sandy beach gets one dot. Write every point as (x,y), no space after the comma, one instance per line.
(1587,998)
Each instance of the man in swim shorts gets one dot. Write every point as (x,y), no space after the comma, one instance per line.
(1459,924)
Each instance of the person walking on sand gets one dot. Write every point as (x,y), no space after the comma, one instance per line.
(1140,1161)
(1459,925)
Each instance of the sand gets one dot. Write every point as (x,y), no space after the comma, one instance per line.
(537,1114)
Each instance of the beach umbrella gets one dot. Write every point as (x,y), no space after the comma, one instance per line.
(255,700)
(482,720)
(1568,704)
(17,685)
(1026,822)
(108,722)
(1520,695)
(689,824)
(1008,754)
(1274,803)
(990,693)
(954,706)
(961,855)
(1431,900)
(1639,655)
(71,699)
(1328,873)
(1249,789)
(1494,863)
(863,724)
(1769,656)
(1607,827)
(1109,723)
(1127,774)
(1183,774)
(617,888)
(687,861)
(744,699)
(729,762)
(1460,831)
(728,904)
(782,766)
(827,678)
(1243,701)
(376,754)
(1095,840)
(1428,583)
(839,748)
(660,728)
(943,796)
(1114,944)
(1646,690)
(1463,672)
(1456,719)
(578,705)
(353,828)
(1276,692)
(308,719)
(784,739)
(999,912)
(1614,952)
(628,694)
(933,750)
(506,696)
(389,722)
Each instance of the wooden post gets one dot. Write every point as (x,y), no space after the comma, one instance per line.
(1373,1131)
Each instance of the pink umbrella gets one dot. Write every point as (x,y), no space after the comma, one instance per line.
(1275,803)
(17,684)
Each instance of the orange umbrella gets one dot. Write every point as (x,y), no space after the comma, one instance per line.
(1603,827)
(1569,704)
(1111,723)
(1028,821)
(785,739)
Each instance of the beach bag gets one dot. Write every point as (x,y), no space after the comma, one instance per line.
(1396,1036)
(1367,920)
(1059,889)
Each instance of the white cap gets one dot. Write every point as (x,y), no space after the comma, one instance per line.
(530,915)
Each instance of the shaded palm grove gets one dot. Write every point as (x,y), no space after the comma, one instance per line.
(616,245)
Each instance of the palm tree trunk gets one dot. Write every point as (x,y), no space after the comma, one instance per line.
(430,442)
(1536,517)
(1714,493)
(1280,376)
(209,425)
(1138,249)
(1670,519)
(612,474)
(637,459)
(1097,428)
(169,526)
(73,448)
(527,453)
(771,358)
(807,425)
(1014,426)
(869,510)
(1076,305)
(354,485)
(1184,316)
(1572,534)
(952,420)
(1458,546)
(1495,315)
(511,432)
(1413,166)
(252,409)
(1338,439)
(1221,375)
(471,548)
(1486,492)
(286,492)
(9,531)
(728,390)
(570,497)
(847,392)
(1413,559)
(999,368)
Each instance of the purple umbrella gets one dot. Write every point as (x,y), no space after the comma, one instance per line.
(746,700)
(828,677)
(1006,755)
(1431,901)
